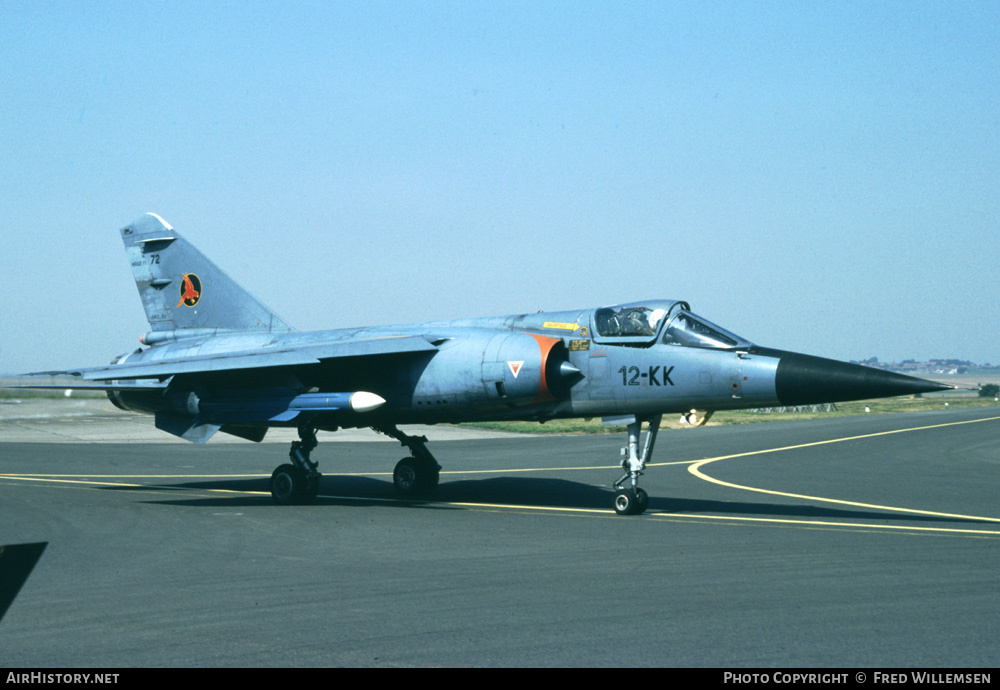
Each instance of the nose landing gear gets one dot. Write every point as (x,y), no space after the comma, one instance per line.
(632,500)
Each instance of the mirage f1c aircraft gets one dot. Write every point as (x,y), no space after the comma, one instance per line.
(217,359)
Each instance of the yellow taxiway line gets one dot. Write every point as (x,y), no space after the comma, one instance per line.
(694,467)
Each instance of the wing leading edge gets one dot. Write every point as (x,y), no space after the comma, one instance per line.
(253,359)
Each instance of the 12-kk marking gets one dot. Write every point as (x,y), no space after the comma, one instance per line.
(651,374)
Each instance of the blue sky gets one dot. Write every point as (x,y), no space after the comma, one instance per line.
(816,177)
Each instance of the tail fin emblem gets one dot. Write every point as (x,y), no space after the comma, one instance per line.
(190,290)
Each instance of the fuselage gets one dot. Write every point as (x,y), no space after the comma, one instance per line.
(641,359)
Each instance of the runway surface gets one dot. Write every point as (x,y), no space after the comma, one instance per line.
(851,542)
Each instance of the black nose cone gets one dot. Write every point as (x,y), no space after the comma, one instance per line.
(805,380)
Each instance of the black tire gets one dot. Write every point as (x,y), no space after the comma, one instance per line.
(310,488)
(641,501)
(414,478)
(430,476)
(625,502)
(286,486)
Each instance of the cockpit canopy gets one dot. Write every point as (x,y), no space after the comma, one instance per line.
(628,320)
(641,323)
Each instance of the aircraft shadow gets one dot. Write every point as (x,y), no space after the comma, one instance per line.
(513,491)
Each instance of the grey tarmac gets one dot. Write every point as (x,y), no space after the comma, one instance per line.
(168,554)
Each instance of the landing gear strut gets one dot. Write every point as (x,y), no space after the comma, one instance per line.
(416,476)
(631,500)
(297,482)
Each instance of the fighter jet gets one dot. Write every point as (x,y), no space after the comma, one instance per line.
(217,359)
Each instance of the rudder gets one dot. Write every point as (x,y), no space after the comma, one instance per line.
(181,289)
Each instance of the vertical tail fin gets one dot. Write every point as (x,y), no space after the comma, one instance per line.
(181,289)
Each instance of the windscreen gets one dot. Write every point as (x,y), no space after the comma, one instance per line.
(688,330)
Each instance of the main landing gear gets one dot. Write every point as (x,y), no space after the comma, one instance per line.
(416,476)
(630,499)
(297,482)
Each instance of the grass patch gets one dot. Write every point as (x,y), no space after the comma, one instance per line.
(848,409)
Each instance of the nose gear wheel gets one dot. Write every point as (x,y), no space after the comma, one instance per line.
(632,500)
